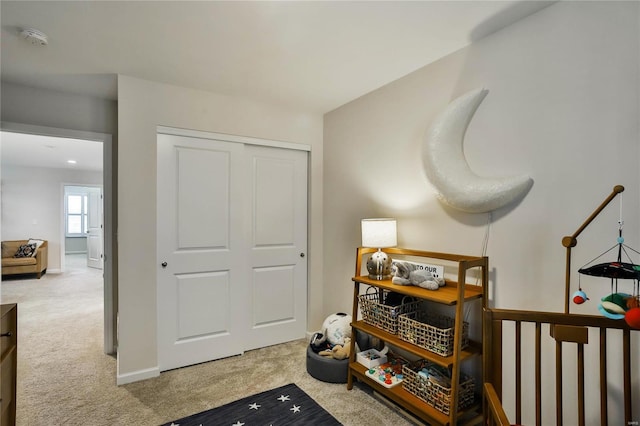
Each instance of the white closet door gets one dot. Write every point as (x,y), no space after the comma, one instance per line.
(201,283)
(232,237)
(277,245)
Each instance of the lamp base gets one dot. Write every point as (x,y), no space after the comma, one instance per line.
(379,266)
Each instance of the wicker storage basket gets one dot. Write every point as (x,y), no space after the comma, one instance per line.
(431,332)
(437,393)
(375,312)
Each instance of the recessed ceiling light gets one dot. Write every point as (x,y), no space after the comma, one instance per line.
(71,161)
(34,36)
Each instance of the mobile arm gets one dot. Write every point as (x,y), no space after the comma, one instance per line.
(572,241)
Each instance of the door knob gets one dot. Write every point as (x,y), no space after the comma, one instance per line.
(164,264)
(301,254)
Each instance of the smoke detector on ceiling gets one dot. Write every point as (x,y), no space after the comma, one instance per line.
(34,36)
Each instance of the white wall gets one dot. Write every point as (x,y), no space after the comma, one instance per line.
(75,245)
(32,205)
(562,107)
(42,107)
(143,105)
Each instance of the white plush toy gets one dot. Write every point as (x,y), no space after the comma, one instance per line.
(337,327)
(405,273)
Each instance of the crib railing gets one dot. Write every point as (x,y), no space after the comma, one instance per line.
(494,411)
(563,330)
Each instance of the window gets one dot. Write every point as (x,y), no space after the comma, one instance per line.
(76,204)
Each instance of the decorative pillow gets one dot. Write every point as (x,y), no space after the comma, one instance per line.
(26,250)
(37,242)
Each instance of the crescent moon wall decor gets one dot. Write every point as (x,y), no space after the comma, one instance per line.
(447,168)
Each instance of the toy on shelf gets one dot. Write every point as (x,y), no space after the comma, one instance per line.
(388,374)
(372,358)
(616,305)
(407,273)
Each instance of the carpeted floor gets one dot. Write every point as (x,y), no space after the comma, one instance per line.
(64,378)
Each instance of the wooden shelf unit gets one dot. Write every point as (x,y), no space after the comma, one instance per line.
(451,294)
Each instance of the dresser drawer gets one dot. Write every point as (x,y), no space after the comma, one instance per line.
(8,328)
(7,390)
(8,360)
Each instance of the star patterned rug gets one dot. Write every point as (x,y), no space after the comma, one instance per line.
(286,405)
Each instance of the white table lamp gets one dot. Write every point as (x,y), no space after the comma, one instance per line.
(379,233)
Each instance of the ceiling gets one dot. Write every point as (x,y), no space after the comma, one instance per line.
(309,55)
(312,56)
(26,150)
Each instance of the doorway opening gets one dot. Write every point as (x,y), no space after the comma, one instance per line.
(36,163)
(82,215)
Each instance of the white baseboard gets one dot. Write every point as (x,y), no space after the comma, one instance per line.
(54,271)
(136,376)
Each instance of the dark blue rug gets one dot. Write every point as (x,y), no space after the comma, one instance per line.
(286,405)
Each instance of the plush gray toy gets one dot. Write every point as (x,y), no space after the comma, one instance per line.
(405,273)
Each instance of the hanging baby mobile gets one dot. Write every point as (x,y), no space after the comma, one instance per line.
(621,271)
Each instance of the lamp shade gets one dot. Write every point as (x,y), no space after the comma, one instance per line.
(379,233)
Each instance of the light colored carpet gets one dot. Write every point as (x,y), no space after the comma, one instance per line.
(64,378)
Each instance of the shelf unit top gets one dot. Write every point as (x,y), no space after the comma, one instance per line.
(448,294)
(452,257)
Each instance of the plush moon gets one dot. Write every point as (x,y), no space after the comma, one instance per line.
(448,170)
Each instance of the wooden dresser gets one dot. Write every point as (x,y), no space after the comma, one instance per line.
(8,360)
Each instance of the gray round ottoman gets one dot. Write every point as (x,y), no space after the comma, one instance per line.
(326,369)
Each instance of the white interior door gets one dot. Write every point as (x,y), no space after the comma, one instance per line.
(94,229)
(277,245)
(232,236)
(200,250)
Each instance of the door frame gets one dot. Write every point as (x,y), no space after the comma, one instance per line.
(231,138)
(109,277)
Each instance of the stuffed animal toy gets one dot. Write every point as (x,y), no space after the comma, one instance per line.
(318,342)
(338,351)
(405,273)
(337,327)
